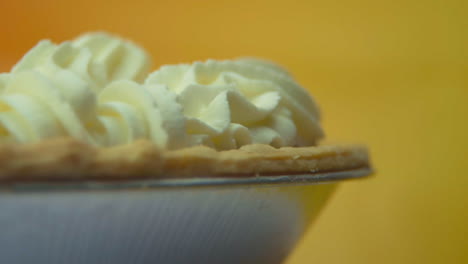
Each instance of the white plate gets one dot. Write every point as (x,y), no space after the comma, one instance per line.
(209,220)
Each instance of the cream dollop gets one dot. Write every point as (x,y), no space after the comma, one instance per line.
(52,91)
(228,104)
(97,88)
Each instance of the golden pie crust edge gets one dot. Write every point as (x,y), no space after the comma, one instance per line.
(70,159)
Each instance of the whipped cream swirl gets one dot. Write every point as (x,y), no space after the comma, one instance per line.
(97,89)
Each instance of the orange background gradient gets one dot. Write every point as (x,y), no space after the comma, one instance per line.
(390,74)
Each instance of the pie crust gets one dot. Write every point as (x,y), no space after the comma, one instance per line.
(70,159)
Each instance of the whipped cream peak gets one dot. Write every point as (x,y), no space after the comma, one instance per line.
(97,88)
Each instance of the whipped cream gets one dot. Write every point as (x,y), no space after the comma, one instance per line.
(97,88)
(52,91)
(228,104)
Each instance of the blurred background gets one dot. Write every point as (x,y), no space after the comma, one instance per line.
(390,74)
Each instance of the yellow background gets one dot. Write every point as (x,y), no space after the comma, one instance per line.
(390,74)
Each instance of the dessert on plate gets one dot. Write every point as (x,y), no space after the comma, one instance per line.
(91,109)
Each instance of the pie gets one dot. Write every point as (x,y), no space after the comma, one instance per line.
(90,109)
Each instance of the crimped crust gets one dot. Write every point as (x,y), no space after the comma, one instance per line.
(70,159)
